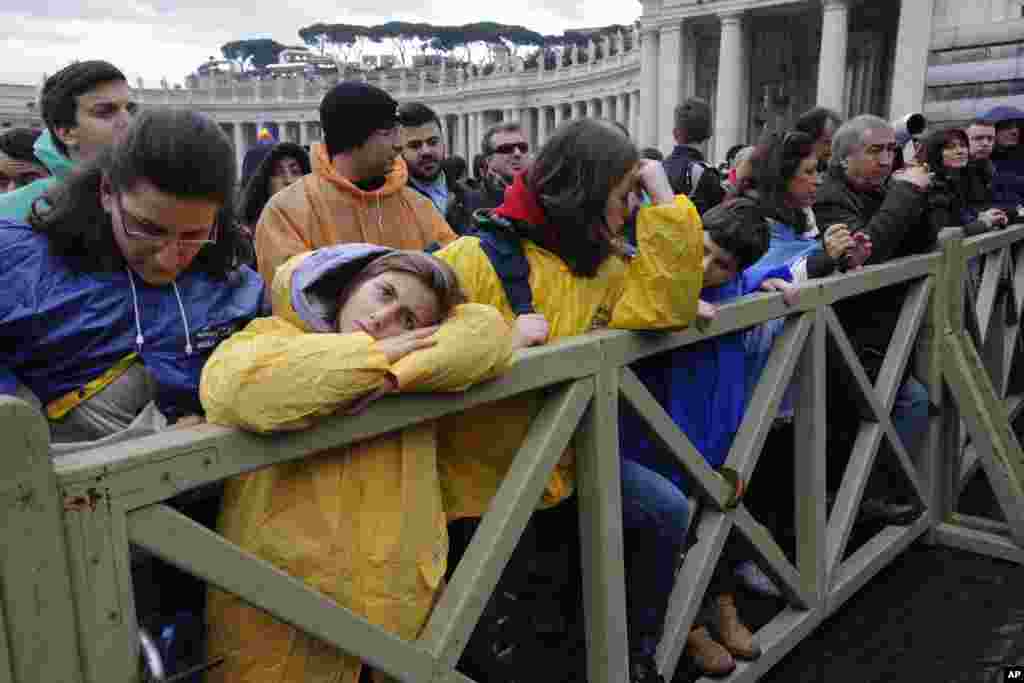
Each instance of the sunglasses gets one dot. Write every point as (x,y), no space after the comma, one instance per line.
(510,147)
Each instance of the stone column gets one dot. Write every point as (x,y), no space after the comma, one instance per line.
(526,121)
(730,90)
(670,78)
(303,133)
(464,137)
(832,58)
(634,115)
(911,63)
(688,68)
(510,115)
(542,126)
(474,135)
(608,107)
(591,111)
(238,134)
(650,85)
(559,115)
(620,108)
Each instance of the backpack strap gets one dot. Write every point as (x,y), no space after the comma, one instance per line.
(505,251)
(696,171)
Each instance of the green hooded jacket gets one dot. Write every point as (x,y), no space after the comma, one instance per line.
(18,204)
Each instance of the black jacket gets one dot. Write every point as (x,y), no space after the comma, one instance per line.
(709,191)
(892,218)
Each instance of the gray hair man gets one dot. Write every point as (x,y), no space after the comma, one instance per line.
(862,191)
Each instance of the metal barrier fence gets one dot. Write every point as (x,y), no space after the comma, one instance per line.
(67,610)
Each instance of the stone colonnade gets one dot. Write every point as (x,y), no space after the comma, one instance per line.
(669,59)
(668,62)
(465,131)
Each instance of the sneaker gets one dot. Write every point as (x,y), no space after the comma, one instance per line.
(756,580)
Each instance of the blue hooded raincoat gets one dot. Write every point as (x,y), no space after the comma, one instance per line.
(60,329)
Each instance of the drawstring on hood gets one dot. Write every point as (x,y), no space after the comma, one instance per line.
(139,339)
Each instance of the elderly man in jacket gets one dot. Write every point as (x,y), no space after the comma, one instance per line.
(862,192)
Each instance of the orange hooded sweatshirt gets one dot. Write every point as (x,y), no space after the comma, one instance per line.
(325,208)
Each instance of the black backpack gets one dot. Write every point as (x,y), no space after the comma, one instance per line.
(700,182)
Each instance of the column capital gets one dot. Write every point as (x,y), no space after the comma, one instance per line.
(675,27)
(731,17)
(835,5)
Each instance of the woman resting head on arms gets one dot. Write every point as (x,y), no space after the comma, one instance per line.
(364,523)
(128,279)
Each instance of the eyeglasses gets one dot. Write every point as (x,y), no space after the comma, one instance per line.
(510,147)
(144,230)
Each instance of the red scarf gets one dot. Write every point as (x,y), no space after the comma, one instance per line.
(520,204)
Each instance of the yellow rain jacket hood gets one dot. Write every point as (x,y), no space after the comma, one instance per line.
(655,290)
(362,524)
(326,208)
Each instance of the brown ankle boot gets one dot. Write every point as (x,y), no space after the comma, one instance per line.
(733,633)
(710,657)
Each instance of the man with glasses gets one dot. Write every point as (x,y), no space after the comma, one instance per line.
(357,191)
(506,154)
(87,107)
(862,191)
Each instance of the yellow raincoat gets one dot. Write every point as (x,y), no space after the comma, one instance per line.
(362,524)
(657,289)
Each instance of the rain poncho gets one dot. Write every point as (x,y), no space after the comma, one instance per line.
(64,332)
(702,386)
(325,208)
(362,524)
(657,289)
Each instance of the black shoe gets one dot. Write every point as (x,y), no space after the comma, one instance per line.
(643,670)
(898,513)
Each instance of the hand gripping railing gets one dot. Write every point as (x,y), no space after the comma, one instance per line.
(67,609)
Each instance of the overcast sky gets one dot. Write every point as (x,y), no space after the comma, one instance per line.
(157,38)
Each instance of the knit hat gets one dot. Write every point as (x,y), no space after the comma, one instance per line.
(351,111)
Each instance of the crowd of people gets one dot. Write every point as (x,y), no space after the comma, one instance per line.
(147,292)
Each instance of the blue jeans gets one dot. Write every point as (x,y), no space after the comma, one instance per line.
(910,414)
(654,517)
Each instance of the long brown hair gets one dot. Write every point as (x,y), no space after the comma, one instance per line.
(573,175)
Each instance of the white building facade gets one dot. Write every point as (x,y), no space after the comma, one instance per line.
(760,64)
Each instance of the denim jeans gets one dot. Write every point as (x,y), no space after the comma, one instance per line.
(910,414)
(654,517)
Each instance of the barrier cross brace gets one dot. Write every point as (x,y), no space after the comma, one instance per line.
(67,612)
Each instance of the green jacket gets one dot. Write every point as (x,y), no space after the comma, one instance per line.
(18,204)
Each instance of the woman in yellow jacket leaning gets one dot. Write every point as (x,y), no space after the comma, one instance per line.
(567,213)
(362,524)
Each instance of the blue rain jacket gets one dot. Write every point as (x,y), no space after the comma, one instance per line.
(60,329)
(786,247)
(702,386)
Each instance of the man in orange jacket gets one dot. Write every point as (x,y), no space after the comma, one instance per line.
(357,191)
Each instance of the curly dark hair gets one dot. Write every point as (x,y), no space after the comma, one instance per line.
(182,153)
(775,167)
(256,192)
